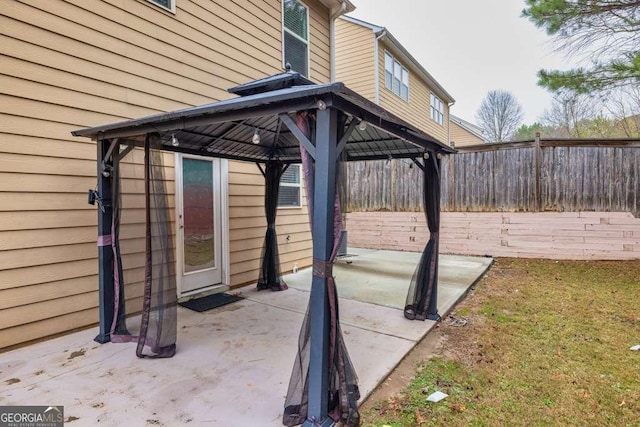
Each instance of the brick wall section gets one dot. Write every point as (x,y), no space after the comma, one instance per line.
(552,235)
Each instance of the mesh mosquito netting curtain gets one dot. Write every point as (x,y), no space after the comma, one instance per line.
(343,382)
(142,243)
(270,264)
(422,301)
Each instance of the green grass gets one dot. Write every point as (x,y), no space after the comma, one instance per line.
(547,344)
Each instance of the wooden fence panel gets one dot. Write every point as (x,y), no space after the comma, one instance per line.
(590,178)
(531,176)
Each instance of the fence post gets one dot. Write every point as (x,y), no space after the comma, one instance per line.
(538,171)
(394,185)
(451,158)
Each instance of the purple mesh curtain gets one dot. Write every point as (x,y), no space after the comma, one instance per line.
(158,329)
(343,381)
(155,278)
(421,301)
(270,268)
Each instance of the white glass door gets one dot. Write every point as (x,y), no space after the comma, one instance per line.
(199,246)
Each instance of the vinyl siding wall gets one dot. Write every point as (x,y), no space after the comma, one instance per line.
(69,64)
(462,137)
(355,58)
(418,110)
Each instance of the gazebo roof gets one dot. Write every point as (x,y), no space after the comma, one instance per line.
(227,128)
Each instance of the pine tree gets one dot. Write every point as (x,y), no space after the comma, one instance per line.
(606,33)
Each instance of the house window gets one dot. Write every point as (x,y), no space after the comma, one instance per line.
(167,4)
(289,195)
(295,28)
(437,109)
(396,77)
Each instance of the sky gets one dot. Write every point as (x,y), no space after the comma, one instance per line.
(471,47)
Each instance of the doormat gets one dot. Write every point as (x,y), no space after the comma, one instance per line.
(210,301)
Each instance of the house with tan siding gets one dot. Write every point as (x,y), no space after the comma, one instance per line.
(70,64)
(463,133)
(371,61)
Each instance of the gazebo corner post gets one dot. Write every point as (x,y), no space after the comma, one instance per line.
(106,297)
(323,239)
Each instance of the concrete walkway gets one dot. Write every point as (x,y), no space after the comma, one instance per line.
(233,363)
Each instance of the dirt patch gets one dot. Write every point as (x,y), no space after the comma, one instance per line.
(12,381)
(78,353)
(70,419)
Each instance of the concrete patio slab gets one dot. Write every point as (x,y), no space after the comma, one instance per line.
(233,363)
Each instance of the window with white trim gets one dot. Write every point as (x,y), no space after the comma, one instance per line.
(396,77)
(437,109)
(295,35)
(290,195)
(167,4)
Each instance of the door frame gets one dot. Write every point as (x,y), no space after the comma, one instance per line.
(221,172)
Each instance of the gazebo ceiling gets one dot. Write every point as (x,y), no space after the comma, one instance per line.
(228,128)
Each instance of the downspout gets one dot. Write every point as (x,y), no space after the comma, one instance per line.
(332,37)
(376,64)
(449,105)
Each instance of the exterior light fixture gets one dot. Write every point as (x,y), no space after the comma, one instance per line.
(322,105)
(174,140)
(256,137)
(362,126)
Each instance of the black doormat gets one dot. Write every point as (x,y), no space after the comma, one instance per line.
(210,301)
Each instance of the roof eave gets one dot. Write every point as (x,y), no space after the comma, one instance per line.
(336,5)
(469,127)
(365,24)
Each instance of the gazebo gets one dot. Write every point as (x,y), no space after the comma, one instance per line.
(273,122)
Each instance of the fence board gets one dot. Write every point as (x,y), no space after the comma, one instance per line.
(530,176)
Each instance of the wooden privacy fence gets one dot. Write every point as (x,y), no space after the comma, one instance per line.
(527,176)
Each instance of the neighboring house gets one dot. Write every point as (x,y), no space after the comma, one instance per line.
(65,65)
(372,62)
(462,133)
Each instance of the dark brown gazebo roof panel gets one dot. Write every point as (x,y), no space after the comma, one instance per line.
(226,128)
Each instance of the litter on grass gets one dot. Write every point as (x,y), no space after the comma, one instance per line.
(437,396)
(635,348)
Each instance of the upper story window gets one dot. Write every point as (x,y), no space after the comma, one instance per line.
(295,29)
(289,195)
(396,77)
(437,109)
(167,4)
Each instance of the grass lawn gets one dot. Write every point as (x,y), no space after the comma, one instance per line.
(546,344)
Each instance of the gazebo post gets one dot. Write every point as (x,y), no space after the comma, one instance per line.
(323,214)
(105,252)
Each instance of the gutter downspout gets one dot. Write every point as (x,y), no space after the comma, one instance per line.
(376,65)
(332,38)
(449,105)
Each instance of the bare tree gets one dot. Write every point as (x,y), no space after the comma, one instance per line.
(570,114)
(624,107)
(499,115)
